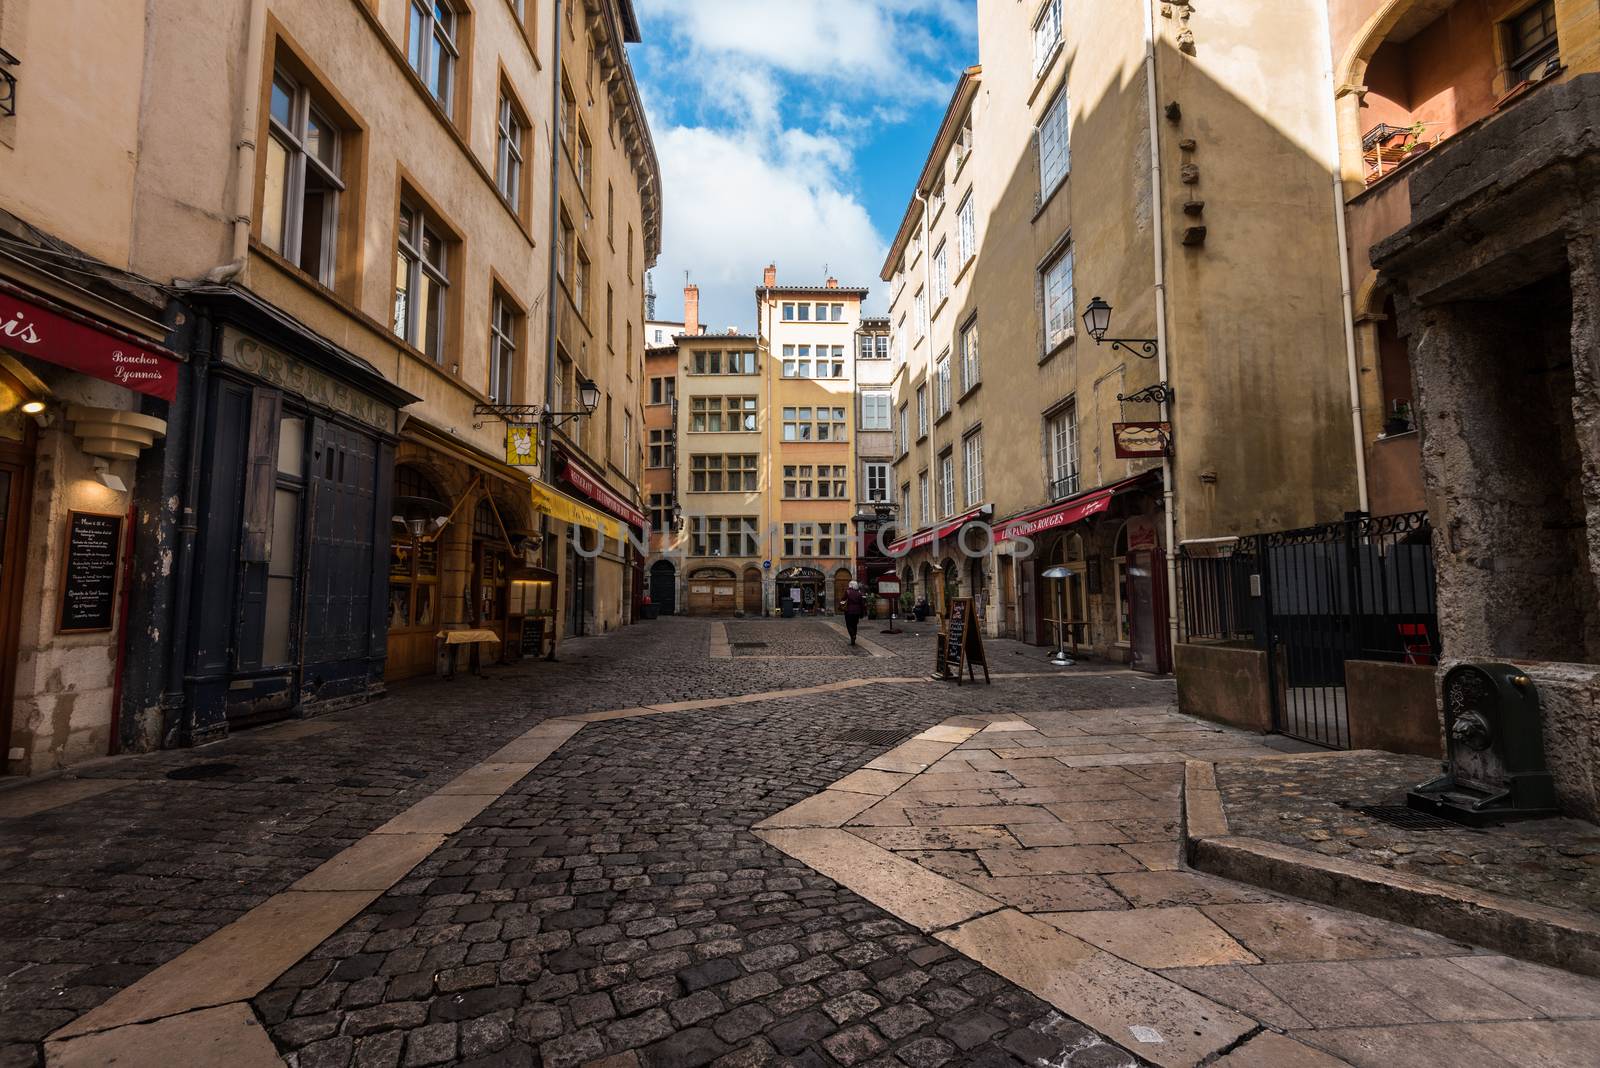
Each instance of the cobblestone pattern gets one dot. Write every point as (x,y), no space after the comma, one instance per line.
(95,894)
(615,902)
(789,637)
(1303,802)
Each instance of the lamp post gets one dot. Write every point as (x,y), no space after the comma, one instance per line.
(1097,320)
(1061,573)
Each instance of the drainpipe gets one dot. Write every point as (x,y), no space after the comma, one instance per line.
(244,176)
(1157,216)
(551,282)
(935,499)
(188,529)
(1346,296)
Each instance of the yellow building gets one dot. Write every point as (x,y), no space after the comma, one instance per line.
(1169,161)
(808,338)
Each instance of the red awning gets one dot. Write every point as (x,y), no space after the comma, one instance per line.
(599,492)
(928,535)
(33,329)
(1065,513)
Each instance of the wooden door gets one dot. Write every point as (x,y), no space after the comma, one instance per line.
(752,592)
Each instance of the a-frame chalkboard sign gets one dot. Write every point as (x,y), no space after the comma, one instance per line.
(960,645)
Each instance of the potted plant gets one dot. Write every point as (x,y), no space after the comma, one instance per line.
(1399,421)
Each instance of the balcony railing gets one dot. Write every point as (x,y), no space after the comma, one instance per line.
(1064,487)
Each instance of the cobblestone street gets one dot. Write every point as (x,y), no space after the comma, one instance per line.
(561,864)
(613,901)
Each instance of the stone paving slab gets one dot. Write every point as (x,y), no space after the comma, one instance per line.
(1305,802)
(227,1035)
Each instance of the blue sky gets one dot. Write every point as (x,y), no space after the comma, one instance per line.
(790,131)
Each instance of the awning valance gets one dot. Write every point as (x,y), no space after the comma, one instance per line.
(33,327)
(1065,513)
(598,492)
(929,535)
(557,505)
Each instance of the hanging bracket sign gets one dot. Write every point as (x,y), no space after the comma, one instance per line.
(1135,440)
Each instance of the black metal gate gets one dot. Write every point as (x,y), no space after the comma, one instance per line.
(1314,598)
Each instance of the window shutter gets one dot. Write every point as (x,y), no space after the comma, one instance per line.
(261,473)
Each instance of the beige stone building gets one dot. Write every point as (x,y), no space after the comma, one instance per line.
(380,269)
(1164,159)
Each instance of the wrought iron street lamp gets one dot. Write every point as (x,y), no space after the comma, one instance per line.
(588,398)
(1097,320)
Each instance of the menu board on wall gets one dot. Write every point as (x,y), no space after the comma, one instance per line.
(89,572)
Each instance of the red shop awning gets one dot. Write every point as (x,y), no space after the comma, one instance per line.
(32,329)
(1065,513)
(599,492)
(928,535)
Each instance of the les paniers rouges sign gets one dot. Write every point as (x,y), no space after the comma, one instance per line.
(33,330)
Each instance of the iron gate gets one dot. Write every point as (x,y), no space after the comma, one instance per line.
(1314,598)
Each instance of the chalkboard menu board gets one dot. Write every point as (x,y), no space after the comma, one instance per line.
(955,636)
(532,636)
(960,645)
(89,572)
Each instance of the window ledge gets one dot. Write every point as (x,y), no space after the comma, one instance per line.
(920,439)
(1050,353)
(962,273)
(970,390)
(943,416)
(1044,74)
(1049,198)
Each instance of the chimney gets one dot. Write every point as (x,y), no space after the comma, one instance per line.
(691,309)
(833,283)
(769,277)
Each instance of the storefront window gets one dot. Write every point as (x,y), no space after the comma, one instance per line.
(413,556)
(1120,565)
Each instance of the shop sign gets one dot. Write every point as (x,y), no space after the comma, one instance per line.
(522,446)
(1141,534)
(1134,440)
(888,587)
(1065,515)
(601,494)
(557,505)
(300,378)
(34,331)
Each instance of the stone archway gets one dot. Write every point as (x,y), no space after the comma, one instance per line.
(664,587)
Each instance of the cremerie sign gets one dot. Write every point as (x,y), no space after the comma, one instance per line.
(300,378)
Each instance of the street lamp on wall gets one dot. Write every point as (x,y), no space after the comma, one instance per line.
(1097,320)
(588,398)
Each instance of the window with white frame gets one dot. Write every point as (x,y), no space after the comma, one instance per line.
(300,200)
(970,371)
(836,312)
(805,482)
(799,361)
(904,521)
(902,430)
(502,348)
(921,313)
(510,132)
(1046,35)
(922,496)
(881,351)
(941,273)
(432,49)
(627,444)
(803,312)
(1055,283)
(941,383)
(922,411)
(1055,155)
(972,465)
(722,473)
(947,484)
(875,409)
(788,313)
(864,347)
(966,231)
(1061,443)
(421,283)
(877,481)
(813,424)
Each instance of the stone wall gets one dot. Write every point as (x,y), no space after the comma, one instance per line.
(1225,684)
(1392,707)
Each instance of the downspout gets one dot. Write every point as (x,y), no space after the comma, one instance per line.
(1157,221)
(935,499)
(188,529)
(547,424)
(244,176)
(1346,295)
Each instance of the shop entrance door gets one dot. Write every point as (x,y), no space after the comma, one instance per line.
(1148,649)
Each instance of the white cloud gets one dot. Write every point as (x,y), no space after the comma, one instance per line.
(732,206)
(757,108)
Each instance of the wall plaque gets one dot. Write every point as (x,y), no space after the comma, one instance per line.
(89,569)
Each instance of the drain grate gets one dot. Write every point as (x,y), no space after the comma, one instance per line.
(868,736)
(202,771)
(1408,819)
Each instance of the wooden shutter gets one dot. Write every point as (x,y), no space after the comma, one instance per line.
(261,474)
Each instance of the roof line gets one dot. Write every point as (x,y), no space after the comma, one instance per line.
(960,100)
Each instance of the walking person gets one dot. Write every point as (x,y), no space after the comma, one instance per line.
(855,606)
